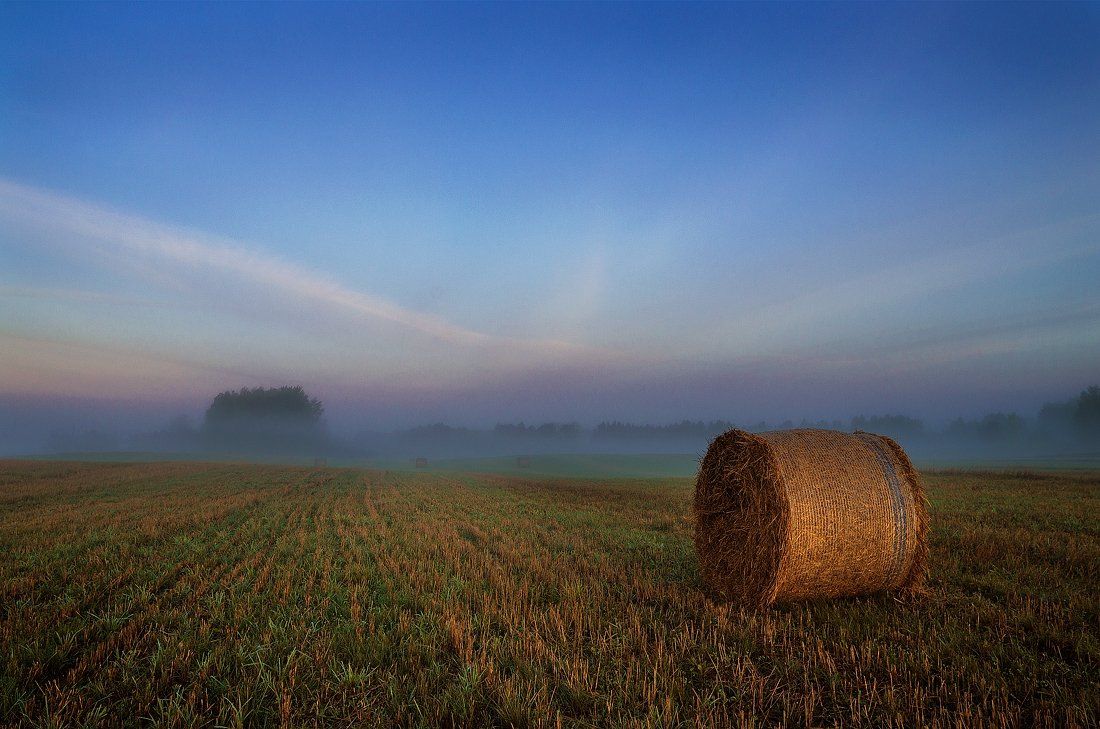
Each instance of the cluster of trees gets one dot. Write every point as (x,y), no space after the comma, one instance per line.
(1086,416)
(1080,414)
(260,405)
(249,420)
(1077,419)
(1072,424)
(279,419)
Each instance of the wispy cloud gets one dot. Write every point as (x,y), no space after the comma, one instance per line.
(56,213)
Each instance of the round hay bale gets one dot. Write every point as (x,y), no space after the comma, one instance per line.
(805,514)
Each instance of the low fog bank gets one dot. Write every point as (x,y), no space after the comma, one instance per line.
(287,423)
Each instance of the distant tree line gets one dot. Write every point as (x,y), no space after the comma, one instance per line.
(993,427)
(288,420)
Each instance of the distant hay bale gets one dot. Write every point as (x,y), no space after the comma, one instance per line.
(804,514)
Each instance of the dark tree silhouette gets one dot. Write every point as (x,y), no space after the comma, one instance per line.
(287,404)
(1086,415)
(265,419)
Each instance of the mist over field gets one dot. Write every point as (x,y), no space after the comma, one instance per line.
(439,220)
(1060,433)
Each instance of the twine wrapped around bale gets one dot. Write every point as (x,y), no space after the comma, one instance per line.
(804,514)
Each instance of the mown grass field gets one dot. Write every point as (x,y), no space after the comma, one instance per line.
(182,594)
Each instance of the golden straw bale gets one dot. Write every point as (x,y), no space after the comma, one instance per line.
(805,514)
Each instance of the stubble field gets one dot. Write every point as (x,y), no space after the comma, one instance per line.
(242,595)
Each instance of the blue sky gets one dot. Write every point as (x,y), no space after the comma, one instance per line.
(480,212)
